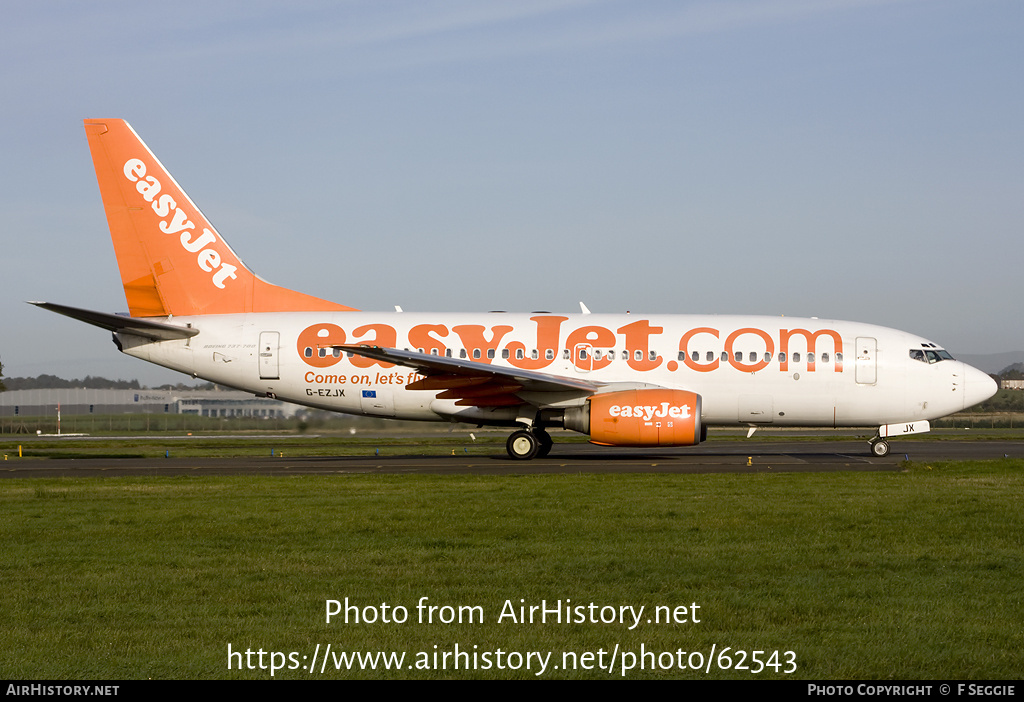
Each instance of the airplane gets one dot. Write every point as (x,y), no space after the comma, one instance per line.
(623,379)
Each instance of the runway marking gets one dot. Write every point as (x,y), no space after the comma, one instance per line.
(859,459)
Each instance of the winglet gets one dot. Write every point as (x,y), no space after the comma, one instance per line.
(172,260)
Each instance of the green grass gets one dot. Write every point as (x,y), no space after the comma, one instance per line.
(916,574)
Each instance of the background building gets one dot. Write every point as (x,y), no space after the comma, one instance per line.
(204,403)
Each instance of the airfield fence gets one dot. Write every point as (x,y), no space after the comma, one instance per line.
(978,420)
(145,423)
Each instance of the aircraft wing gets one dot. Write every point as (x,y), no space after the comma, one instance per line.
(157,331)
(473,383)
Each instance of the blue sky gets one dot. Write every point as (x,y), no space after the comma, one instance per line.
(839,158)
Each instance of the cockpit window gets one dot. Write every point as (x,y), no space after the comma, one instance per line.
(931,355)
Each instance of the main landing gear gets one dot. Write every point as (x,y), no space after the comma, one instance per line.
(526,444)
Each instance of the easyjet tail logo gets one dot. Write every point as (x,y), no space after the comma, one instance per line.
(176,222)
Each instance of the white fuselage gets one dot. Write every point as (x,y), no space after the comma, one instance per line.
(750,370)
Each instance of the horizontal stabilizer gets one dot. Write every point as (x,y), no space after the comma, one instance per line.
(157,331)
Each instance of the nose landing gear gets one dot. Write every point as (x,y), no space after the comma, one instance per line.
(879,447)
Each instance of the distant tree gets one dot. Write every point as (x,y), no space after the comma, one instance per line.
(49,382)
(2,386)
(184,387)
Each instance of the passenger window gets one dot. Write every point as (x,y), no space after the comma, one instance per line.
(448,353)
(738,356)
(565,354)
(711,355)
(796,357)
(810,358)
(839,356)
(549,354)
(725,357)
(753,356)
(767,357)
(682,356)
(490,353)
(519,354)
(597,354)
(824,357)
(462,353)
(322,352)
(638,355)
(476,354)
(652,355)
(695,356)
(504,354)
(782,356)
(308,352)
(534,354)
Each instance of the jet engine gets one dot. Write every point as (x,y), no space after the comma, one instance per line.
(650,417)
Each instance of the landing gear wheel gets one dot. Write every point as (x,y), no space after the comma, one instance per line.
(522,445)
(544,443)
(880,448)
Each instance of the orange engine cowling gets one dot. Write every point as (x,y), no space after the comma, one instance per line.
(654,417)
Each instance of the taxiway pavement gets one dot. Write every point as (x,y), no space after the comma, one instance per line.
(723,457)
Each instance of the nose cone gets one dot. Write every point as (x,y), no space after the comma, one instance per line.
(978,386)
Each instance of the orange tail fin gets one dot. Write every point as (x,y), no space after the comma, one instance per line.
(172,260)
